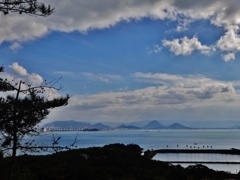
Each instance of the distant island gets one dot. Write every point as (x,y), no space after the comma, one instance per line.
(72,125)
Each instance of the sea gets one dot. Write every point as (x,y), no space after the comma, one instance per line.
(160,139)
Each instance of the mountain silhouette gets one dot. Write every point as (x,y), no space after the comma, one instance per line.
(100,126)
(177,126)
(154,125)
(123,126)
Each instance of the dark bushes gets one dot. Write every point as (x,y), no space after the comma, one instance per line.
(115,161)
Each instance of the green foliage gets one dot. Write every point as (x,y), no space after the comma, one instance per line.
(21,112)
(116,161)
(4,84)
(1,68)
(26,112)
(21,108)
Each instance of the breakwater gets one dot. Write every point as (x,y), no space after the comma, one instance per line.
(232,151)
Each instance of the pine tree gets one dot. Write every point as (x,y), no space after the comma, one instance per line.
(21,111)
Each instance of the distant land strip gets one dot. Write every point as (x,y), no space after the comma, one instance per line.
(47,129)
(232,151)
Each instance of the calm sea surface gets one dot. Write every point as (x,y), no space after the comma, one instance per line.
(162,139)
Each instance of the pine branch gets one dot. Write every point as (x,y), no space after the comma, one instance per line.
(30,7)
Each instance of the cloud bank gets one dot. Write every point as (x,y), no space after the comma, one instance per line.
(172,97)
(80,15)
(167,97)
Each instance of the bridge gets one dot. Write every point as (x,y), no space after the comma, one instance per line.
(47,129)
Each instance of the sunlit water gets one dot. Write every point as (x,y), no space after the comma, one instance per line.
(161,139)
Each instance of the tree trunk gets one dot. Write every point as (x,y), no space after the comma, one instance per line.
(14,136)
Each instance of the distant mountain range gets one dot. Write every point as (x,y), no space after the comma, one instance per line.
(75,124)
(154,124)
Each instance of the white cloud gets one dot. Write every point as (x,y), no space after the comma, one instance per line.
(228,57)
(84,15)
(18,71)
(22,28)
(99,14)
(34,79)
(231,40)
(92,14)
(186,46)
(220,12)
(155,49)
(15,46)
(170,80)
(151,102)
(193,100)
(183,23)
(106,78)
(102,79)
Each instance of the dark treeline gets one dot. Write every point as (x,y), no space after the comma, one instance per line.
(116,161)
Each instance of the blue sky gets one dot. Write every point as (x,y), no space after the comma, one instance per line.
(124,61)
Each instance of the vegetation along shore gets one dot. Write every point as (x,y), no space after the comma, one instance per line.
(114,161)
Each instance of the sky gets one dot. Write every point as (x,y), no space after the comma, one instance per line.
(132,60)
